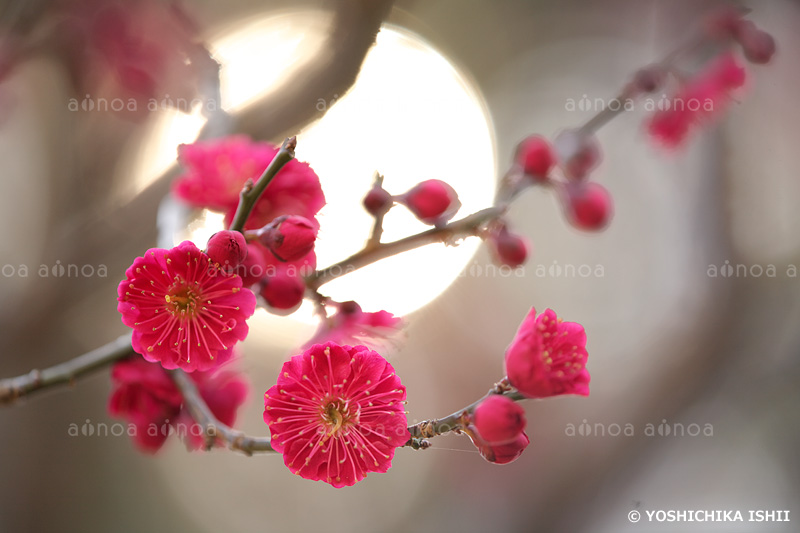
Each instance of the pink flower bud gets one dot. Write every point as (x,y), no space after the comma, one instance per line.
(254,266)
(283,290)
(548,357)
(536,157)
(289,237)
(227,248)
(758,46)
(500,454)
(432,201)
(588,206)
(377,201)
(508,248)
(498,419)
(578,153)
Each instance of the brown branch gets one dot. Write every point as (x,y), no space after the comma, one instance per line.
(455,421)
(355,26)
(617,105)
(241,442)
(465,227)
(214,429)
(12,389)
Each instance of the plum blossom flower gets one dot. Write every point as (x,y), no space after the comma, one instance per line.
(336,413)
(350,325)
(185,313)
(216,170)
(548,357)
(145,395)
(698,101)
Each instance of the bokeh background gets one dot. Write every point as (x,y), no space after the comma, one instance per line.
(671,344)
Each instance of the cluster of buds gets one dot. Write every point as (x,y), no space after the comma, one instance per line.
(587,205)
(565,166)
(432,201)
(288,238)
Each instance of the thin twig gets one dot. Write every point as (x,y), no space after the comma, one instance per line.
(12,389)
(249,445)
(328,77)
(464,227)
(617,105)
(252,192)
(375,251)
(455,421)
(214,429)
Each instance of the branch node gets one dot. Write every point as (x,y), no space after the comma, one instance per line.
(418,444)
(290,144)
(427,429)
(35,376)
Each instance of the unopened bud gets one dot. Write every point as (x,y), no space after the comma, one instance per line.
(377,201)
(588,206)
(432,201)
(536,157)
(283,290)
(289,237)
(508,248)
(227,248)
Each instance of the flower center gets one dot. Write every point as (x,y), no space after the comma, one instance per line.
(336,415)
(181,300)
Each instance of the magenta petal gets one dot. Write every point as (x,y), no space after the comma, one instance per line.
(337,413)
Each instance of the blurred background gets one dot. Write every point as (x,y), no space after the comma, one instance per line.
(677,341)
